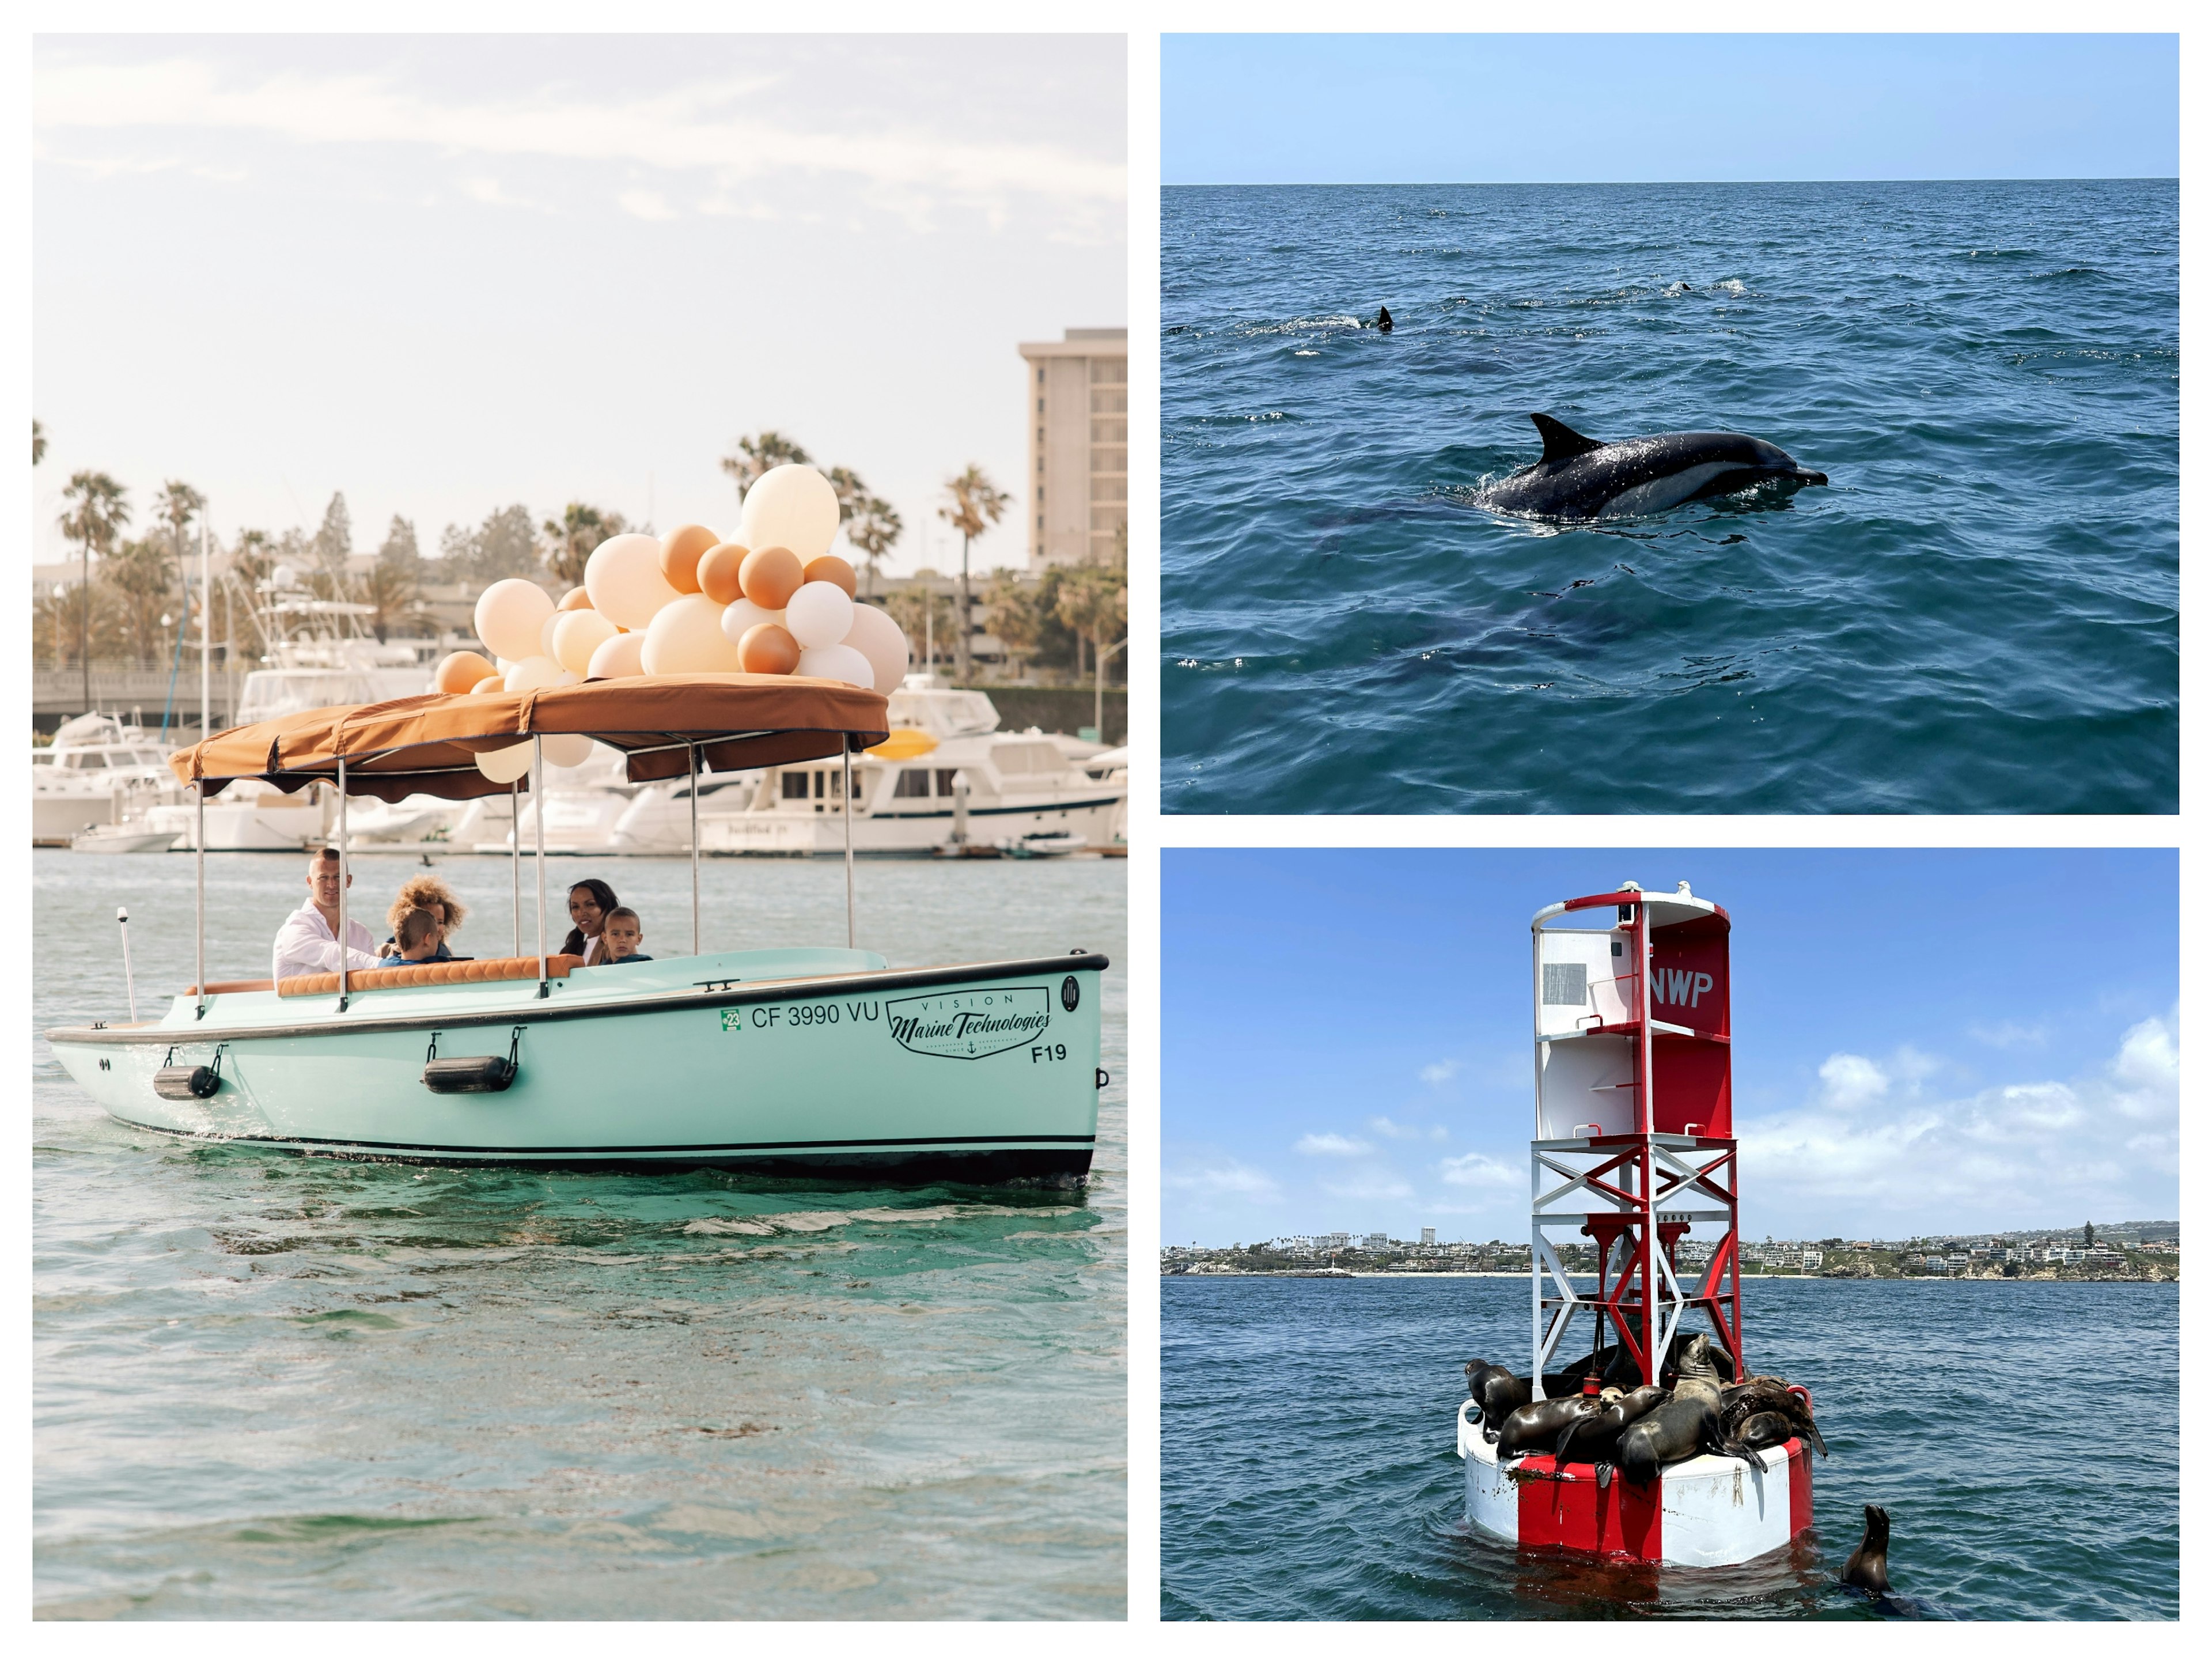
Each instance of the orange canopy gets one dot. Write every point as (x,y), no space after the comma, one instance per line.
(429,743)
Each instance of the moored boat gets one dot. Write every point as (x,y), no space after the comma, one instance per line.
(820,1061)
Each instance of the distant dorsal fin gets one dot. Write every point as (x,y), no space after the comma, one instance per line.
(1559,442)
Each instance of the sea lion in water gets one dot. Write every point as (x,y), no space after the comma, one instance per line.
(1675,1429)
(1383,321)
(1534,1428)
(1868,1568)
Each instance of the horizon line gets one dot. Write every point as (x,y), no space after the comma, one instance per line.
(1630,183)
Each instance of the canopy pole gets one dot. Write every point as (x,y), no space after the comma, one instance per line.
(515,841)
(691,753)
(538,815)
(344,879)
(199,885)
(847,741)
(207,615)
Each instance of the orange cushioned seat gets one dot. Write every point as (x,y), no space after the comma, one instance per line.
(263,986)
(426,975)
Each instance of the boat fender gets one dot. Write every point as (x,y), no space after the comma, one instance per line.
(182,1082)
(450,1075)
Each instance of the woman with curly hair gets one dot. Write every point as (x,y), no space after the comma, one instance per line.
(431,893)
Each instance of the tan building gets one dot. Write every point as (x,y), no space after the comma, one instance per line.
(1076,488)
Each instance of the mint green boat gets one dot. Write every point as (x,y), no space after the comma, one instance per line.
(792,1062)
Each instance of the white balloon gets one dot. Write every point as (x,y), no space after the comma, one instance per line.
(510,615)
(839,660)
(744,615)
(687,636)
(621,656)
(577,635)
(566,751)
(877,636)
(545,635)
(509,763)
(791,506)
(818,615)
(539,671)
(624,581)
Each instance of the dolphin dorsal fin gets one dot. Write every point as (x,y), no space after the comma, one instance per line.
(1559,442)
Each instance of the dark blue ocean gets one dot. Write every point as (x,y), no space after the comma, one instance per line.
(2024,1437)
(1980,613)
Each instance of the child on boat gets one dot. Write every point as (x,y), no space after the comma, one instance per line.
(429,892)
(417,933)
(620,940)
(589,902)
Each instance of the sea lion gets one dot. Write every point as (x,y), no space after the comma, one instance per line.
(1533,1428)
(1675,1429)
(1749,1437)
(1594,1438)
(1499,1392)
(1741,1403)
(1383,321)
(1868,1567)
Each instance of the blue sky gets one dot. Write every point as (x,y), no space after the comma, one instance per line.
(1924,1041)
(1535,108)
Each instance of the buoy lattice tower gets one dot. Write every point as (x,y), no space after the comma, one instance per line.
(1634,1143)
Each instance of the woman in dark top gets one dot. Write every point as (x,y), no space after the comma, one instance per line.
(589,902)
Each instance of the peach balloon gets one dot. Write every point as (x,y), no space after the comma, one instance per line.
(462,670)
(539,671)
(687,636)
(624,579)
(508,763)
(876,635)
(767,649)
(793,506)
(621,656)
(835,571)
(680,551)
(576,599)
(495,684)
(566,751)
(719,569)
(577,635)
(509,615)
(771,574)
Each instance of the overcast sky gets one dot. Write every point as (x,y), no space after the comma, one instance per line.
(1923,1041)
(445,275)
(1709,107)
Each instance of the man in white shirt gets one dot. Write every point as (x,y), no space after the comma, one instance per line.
(308,943)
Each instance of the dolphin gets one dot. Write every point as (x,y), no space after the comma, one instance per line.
(1578,477)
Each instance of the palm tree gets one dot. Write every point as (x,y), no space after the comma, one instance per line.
(570,541)
(917,610)
(975,503)
(97,515)
(872,527)
(1094,601)
(38,441)
(139,572)
(756,455)
(391,589)
(1017,620)
(180,506)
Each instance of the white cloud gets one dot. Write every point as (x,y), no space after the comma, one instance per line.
(2009,1036)
(1437,1073)
(1226,1178)
(1877,1135)
(1329,1142)
(719,127)
(644,204)
(1389,1128)
(1480,1171)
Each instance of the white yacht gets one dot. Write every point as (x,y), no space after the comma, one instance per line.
(99,770)
(583,804)
(248,815)
(948,775)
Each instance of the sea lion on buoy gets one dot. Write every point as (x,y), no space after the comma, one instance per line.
(1534,1428)
(1868,1568)
(1499,1392)
(1749,1437)
(1763,1398)
(1675,1429)
(1596,1439)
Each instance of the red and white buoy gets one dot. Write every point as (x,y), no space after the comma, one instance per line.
(1634,1148)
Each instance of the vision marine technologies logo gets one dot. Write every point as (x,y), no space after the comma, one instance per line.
(977,1023)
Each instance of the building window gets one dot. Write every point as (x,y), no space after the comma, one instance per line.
(1039,525)
(1040,465)
(1109,459)
(1107,402)
(1109,372)
(1040,380)
(1039,494)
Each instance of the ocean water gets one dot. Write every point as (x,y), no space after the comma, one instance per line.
(1979,613)
(272,1387)
(2023,1436)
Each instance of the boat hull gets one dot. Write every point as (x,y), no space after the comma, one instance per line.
(766,1063)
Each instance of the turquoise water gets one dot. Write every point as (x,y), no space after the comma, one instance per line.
(2023,1436)
(1980,613)
(266,1386)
